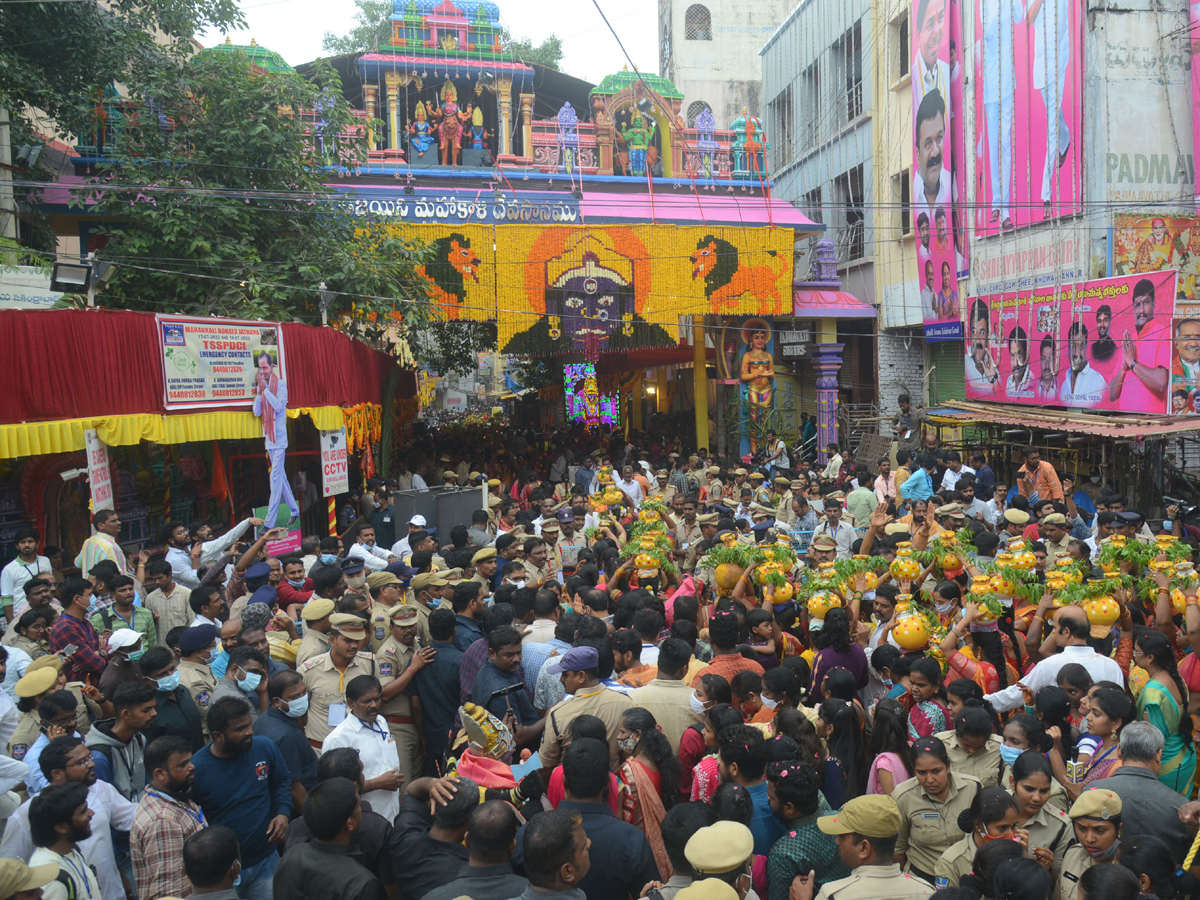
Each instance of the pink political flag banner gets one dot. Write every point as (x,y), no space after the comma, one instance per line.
(1105,344)
(958,224)
(1194,42)
(933,167)
(1028,112)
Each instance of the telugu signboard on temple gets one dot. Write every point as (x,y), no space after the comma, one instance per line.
(1105,344)
(212,362)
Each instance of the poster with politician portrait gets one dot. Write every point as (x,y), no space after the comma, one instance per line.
(1028,112)
(932,188)
(1104,344)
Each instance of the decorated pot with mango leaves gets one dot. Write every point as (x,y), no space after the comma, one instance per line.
(904,567)
(911,632)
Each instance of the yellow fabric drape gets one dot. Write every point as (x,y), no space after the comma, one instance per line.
(66,435)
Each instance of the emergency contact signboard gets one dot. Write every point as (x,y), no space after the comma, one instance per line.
(213,362)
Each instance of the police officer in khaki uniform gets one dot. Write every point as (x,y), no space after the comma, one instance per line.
(715,490)
(983,761)
(399,660)
(781,499)
(1096,815)
(484,562)
(866,832)
(315,614)
(708,531)
(195,667)
(327,675)
(721,852)
(929,805)
(579,671)
(1050,827)
(759,491)
(30,690)
(427,590)
(87,709)
(387,593)
(687,536)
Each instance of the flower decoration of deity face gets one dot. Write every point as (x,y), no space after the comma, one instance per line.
(591,298)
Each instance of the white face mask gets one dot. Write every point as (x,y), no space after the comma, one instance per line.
(768,702)
(1095,479)
(356,581)
(697,705)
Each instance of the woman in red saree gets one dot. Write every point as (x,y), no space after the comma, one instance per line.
(648,779)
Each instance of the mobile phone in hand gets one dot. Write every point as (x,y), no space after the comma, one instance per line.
(68,651)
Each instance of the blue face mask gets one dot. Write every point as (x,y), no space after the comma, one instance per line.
(250,682)
(296,708)
(296,584)
(168,684)
(1009,754)
(329,559)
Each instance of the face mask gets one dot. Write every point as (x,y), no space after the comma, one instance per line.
(629,744)
(250,683)
(356,581)
(328,559)
(1103,854)
(518,584)
(168,684)
(1095,479)
(944,608)
(297,584)
(296,708)
(135,655)
(768,702)
(988,838)
(888,683)
(1009,754)
(1167,523)
(238,878)
(697,705)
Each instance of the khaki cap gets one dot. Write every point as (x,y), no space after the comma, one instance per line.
(493,482)
(379,579)
(782,482)
(46,661)
(713,470)
(316,608)
(1016,516)
(550,526)
(824,542)
(451,576)
(740,471)
(719,848)
(895,528)
(348,626)
(1096,803)
(427,580)
(1055,519)
(875,816)
(473,475)
(16,877)
(483,555)
(494,501)
(37,682)
(954,510)
(757,476)
(708,519)
(404,615)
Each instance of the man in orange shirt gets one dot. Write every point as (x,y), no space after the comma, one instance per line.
(1038,477)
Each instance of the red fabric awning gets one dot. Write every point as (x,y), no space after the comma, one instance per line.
(71,363)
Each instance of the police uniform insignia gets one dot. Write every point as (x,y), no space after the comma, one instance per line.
(202,698)
(385,669)
(19,750)
(379,633)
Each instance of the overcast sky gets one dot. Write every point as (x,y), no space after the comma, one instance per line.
(294,28)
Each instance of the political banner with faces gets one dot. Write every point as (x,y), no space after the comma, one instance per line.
(1105,344)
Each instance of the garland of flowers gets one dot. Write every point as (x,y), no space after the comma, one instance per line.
(364,425)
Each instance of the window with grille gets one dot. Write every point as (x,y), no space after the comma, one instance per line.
(697,23)
(694,110)
(848,53)
(900,42)
(902,202)
(811,205)
(782,128)
(848,198)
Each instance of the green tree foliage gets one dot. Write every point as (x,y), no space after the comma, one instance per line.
(372,28)
(548,53)
(217,194)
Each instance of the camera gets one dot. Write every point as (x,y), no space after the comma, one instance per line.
(1186,512)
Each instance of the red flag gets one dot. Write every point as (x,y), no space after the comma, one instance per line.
(220,487)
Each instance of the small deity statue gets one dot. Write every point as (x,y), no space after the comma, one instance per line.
(452,119)
(478,133)
(637,138)
(422,132)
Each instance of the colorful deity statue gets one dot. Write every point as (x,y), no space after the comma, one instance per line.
(478,133)
(422,132)
(450,128)
(638,136)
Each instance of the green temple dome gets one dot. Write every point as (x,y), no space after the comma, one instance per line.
(267,60)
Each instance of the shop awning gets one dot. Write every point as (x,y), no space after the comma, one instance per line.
(808,303)
(1118,426)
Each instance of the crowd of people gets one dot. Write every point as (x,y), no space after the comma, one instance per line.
(635,672)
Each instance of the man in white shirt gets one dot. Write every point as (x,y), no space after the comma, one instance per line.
(1071,632)
(1082,385)
(630,487)
(374,558)
(401,549)
(833,526)
(931,183)
(418,482)
(885,482)
(834,467)
(179,555)
(212,549)
(69,766)
(24,568)
(955,469)
(931,72)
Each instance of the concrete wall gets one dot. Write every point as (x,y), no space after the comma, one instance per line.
(901,369)
(723,72)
